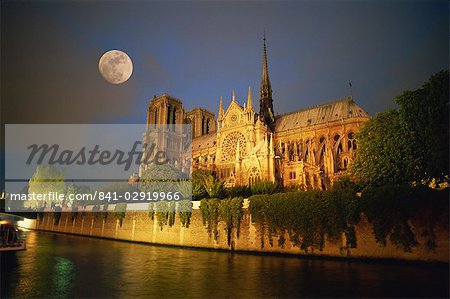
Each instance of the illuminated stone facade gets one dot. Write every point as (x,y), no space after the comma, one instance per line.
(307,148)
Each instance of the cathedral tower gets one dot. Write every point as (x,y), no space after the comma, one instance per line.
(266,102)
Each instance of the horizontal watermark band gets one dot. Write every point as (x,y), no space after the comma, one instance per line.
(40,196)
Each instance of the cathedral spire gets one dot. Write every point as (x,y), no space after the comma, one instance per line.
(265,81)
(233,96)
(249,99)
(266,102)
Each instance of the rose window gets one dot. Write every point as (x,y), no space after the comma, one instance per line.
(229,146)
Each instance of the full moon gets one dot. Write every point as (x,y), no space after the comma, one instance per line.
(115,66)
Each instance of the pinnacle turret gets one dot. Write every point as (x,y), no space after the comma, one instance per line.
(249,100)
(220,116)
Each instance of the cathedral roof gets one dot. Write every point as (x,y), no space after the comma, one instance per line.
(328,112)
(204,141)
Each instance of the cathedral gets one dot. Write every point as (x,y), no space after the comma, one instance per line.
(308,148)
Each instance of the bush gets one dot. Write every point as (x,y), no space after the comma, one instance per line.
(264,187)
(312,217)
(214,187)
(294,188)
(205,184)
(198,183)
(210,215)
(227,210)
(345,182)
(231,212)
(119,211)
(57,215)
(238,191)
(185,212)
(165,213)
(309,216)
(391,208)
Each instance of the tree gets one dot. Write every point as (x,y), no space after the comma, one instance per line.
(120,211)
(425,114)
(409,146)
(45,179)
(214,187)
(199,177)
(265,187)
(70,194)
(160,178)
(384,152)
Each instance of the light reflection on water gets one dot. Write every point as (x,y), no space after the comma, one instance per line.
(56,265)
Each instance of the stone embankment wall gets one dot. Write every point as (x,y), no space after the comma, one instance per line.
(139,227)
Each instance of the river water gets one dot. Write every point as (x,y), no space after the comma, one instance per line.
(57,265)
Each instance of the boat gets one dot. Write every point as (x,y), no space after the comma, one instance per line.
(22,245)
(10,234)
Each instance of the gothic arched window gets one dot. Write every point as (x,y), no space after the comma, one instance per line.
(345,162)
(351,141)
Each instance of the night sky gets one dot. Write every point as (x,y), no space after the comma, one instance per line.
(199,51)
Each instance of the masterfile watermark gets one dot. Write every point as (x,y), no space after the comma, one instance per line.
(51,166)
(54,155)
